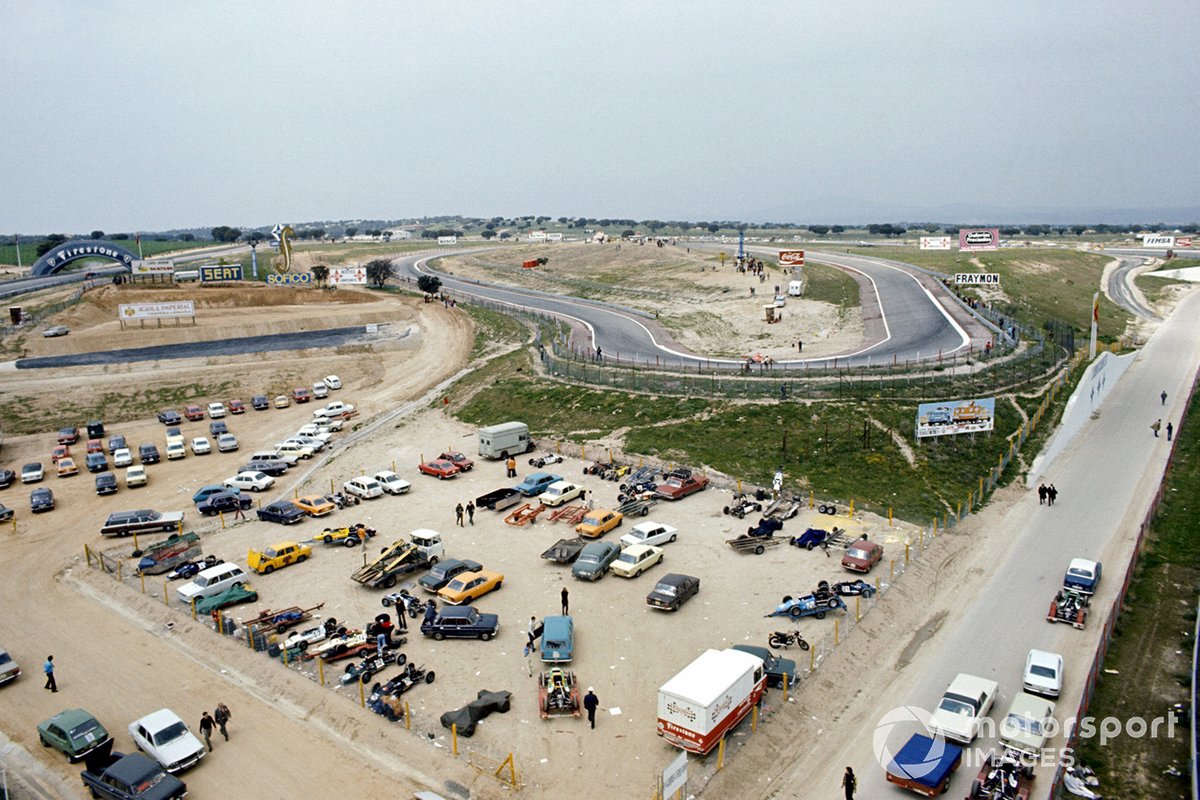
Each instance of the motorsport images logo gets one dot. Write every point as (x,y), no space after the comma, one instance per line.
(908,717)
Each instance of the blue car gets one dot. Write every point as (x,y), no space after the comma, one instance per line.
(205,492)
(461,622)
(558,639)
(536,483)
(1082,576)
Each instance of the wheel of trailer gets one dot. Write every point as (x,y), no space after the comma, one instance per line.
(819,615)
(429,677)
(758,550)
(831,510)
(281,628)
(389,581)
(645,510)
(401,660)
(821,508)
(795,611)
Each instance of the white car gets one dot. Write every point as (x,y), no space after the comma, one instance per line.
(176,450)
(635,560)
(1043,673)
(284,449)
(1024,727)
(391,482)
(254,481)
(560,492)
(165,737)
(227,443)
(216,410)
(8,668)
(363,487)
(309,441)
(967,701)
(333,381)
(201,445)
(314,431)
(304,638)
(320,390)
(136,476)
(651,533)
(334,409)
(122,457)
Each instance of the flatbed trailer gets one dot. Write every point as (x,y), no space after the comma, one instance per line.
(499,499)
(524,514)
(571,514)
(637,507)
(753,544)
(564,551)
(915,769)
(283,619)
(782,509)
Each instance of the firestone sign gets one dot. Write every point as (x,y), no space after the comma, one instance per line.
(71,253)
(979,239)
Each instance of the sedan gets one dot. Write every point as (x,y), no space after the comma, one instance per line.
(253,481)
(7,476)
(651,533)
(302,394)
(69,435)
(66,467)
(57,330)
(283,512)
(965,703)
(135,476)
(594,560)
(391,482)
(193,412)
(169,417)
(41,500)
(216,410)
(96,462)
(444,571)
(201,446)
(148,454)
(470,586)
(260,402)
(165,737)
(315,505)
(9,670)
(459,460)
(333,381)
(464,622)
(635,560)
(75,733)
(122,457)
(599,522)
(282,401)
(862,555)
(115,443)
(672,591)
(1043,673)
(217,428)
(32,472)
(6,513)
(237,407)
(60,451)
(227,443)
(106,483)
(439,469)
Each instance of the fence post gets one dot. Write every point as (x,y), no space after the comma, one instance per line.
(407,717)
(321,670)
(166,602)
(454,737)
(836,631)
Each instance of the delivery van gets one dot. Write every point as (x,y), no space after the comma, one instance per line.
(795,288)
(708,698)
(508,438)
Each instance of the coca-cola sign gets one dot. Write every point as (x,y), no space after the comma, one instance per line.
(791,258)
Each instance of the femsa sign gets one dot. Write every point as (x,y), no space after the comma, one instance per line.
(979,239)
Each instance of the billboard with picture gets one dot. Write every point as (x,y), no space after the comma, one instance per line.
(936,243)
(950,417)
(979,239)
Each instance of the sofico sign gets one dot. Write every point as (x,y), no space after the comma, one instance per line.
(979,239)
(290,279)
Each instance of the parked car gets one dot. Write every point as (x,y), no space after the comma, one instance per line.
(169,417)
(211,581)
(561,492)
(680,484)
(598,522)
(1082,576)
(302,394)
(332,409)
(32,472)
(1043,673)
(106,483)
(236,407)
(227,443)
(68,435)
(391,482)
(459,460)
(94,446)
(286,450)
(6,513)
(277,556)
(216,410)
(672,591)
(142,520)
(193,413)
(536,483)
(135,476)
(41,500)
(115,443)
(96,462)
(333,381)
(122,457)
(775,667)
(470,586)
(74,732)
(60,451)
(1024,727)
(461,622)
(55,331)
(594,560)
(252,481)
(176,451)
(231,596)
(7,476)
(9,670)
(201,446)
(862,555)
(443,572)
(223,503)
(438,468)
(651,533)
(320,390)
(315,505)
(363,487)
(208,490)
(148,454)
(274,467)
(558,639)
(965,703)
(66,467)
(283,512)
(165,737)
(132,776)
(282,401)
(636,559)
(217,427)
(260,402)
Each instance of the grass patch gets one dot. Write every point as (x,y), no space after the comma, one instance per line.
(493,330)
(1152,645)
(830,285)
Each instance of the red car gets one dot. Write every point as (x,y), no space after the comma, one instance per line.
(95,446)
(236,407)
(302,394)
(861,555)
(62,451)
(459,460)
(439,468)
(193,413)
(680,485)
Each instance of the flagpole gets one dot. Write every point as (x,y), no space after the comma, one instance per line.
(1095,324)
(139,241)
(17,240)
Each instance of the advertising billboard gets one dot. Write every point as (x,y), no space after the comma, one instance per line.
(951,417)
(179,308)
(1183,241)
(979,239)
(1152,240)
(936,243)
(447,240)
(290,279)
(346,276)
(214,273)
(791,258)
(977,278)
(163,266)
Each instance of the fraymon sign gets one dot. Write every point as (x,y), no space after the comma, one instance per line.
(976,278)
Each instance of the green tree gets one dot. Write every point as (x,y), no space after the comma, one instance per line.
(713,227)
(378,271)
(320,274)
(350,232)
(97,235)
(819,230)
(224,233)
(187,237)
(429,284)
(488,234)
(838,228)
(49,243)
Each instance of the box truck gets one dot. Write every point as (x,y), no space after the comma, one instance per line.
(508,438)
(708,698)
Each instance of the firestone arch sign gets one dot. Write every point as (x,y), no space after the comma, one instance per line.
(67,252)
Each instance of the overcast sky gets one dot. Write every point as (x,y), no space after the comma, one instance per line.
(156,115)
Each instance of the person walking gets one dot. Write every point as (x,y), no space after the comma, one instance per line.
(1157,424)
(591,703)
(206,728)
(566,605)
(1051,494)
(470,512)
(532,630)
(238,513)
(52,685)
(849,783)
(430,612)
(1163,396)
(1042,495)
(1170,430)
(458,515)
(221,716)
(510,464)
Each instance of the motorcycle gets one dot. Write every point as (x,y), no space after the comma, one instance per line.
(342,500)
(784,639)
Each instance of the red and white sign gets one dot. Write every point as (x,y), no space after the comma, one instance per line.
(1183,241)
(1152,240)
(936,243)
(345,277)
(979,239)
(791,258)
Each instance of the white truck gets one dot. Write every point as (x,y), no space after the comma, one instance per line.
(708,698)
(506,439)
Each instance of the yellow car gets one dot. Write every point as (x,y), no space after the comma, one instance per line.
(315,505)
(599,522)
(282,401)
(280,554)
(470,585)
(66,466)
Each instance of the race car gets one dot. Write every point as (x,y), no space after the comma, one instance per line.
(349,536)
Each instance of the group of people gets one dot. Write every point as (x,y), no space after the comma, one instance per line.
(1047,495)
(470,511)
(219,719)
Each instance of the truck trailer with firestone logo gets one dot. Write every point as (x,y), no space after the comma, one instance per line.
(708,698)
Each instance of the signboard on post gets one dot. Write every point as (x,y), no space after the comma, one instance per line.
(936,243)
(971,239)
(163,266)
(179,308)
(447,240)
(674,777)
(1183,241)
(977,278)
(214,273)
(347,276)
(956,416)
(1152,240)
(791,258)
(290,279)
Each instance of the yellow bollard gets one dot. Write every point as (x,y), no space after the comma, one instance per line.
(220,620)
(407,717)
(836,629)
(321,670)
(970,500)
(422,458)
(739,485)
(331,482)
(857,609)
(812,660)
(850,513)
(362,695)
(194,608)
(454,737)
(981,490)
(250,636)
(142,578)
(610,455)
(285,654)
(721,755)
(558,451)
(876,584)
(890,524)
(135,543)
(934,529)
(641,463)
(958,512)
(179,526)
(811,499)
(906,547)
(754,719)
(295,494)
(221,516)
(166,602)
(118,570)
(393,469)
(785,687)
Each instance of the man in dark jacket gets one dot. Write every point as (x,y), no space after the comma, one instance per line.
(591,703)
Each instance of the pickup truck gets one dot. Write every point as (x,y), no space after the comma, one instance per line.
(680,484)
(123,523)
(499,499)
(536,483)
(130,777)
